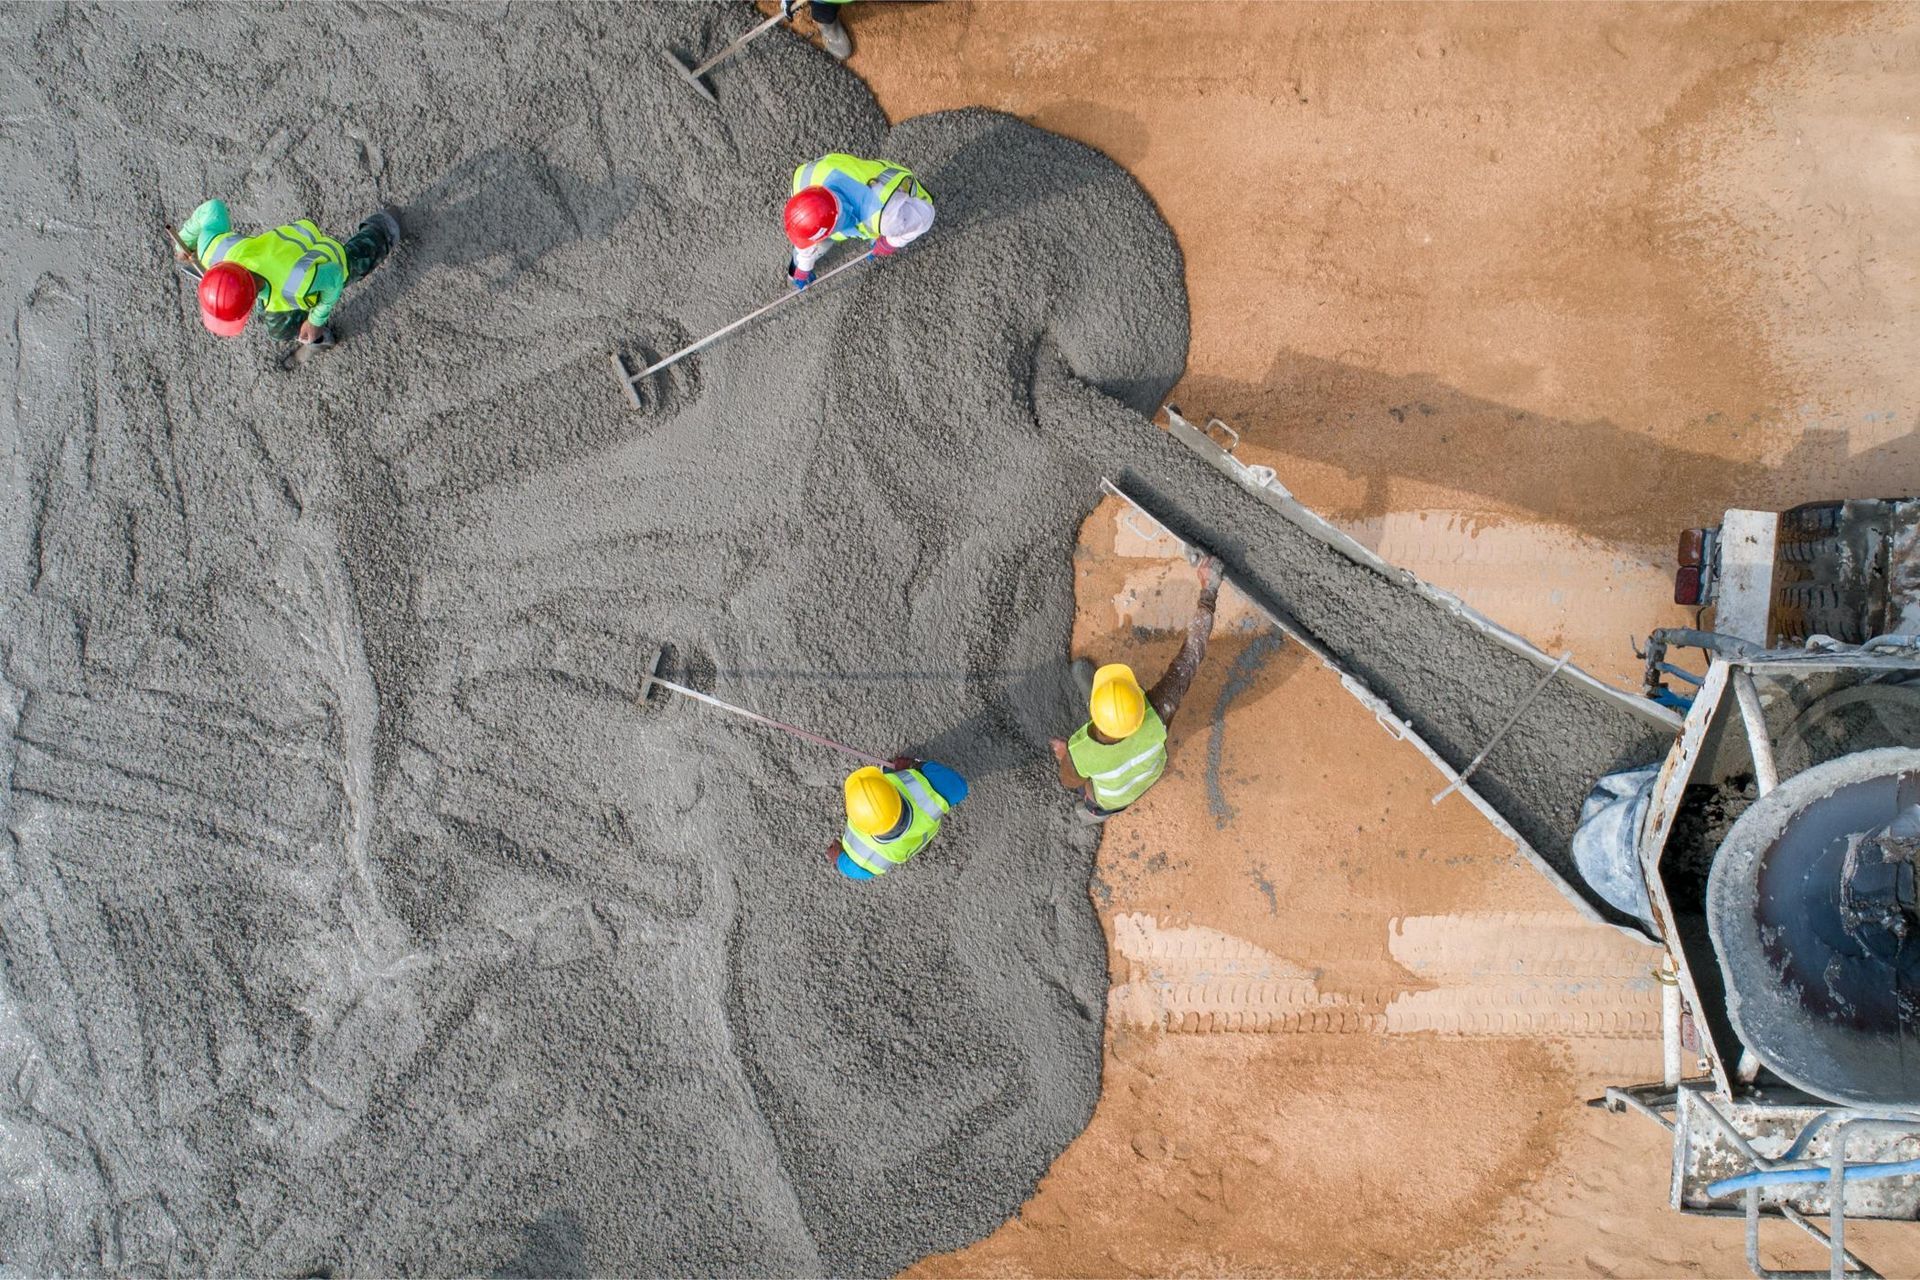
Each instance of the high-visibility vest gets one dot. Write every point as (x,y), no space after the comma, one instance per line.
(289,257)
(925,807)
(1120,772)
(862,187)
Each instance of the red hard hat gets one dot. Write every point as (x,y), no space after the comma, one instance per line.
(811,213)
(227,291)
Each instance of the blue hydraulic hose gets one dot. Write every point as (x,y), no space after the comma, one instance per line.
(1790,1177)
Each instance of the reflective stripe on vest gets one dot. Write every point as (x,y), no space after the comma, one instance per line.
(1116,778)
(921,792)
(867,855)
(222,245)
(926,807)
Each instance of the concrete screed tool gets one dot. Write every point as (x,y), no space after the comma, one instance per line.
(692,74)
(653,677)
(629,382)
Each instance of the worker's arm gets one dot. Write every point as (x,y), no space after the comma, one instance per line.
(905,219)
(1172,688)
(803,259)
(208,221)
(329,281)
(1069,776)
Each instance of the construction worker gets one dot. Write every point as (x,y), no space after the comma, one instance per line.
(892,814)
(1122,749)
(293,274)
(842,197)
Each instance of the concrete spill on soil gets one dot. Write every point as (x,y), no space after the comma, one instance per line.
(1454,685)
(353,916)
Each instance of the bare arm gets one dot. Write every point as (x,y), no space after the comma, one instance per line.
(1167,695)
(1069,776)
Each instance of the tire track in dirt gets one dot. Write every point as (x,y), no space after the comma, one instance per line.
(1505,974)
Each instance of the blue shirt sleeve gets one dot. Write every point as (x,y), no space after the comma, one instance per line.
(951,786)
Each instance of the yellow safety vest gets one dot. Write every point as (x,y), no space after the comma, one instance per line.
(1120,772)
(291,258)
(925,805)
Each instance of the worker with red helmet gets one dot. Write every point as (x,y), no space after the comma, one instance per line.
(293,275)
(842,197)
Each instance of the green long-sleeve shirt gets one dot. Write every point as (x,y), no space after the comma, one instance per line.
(322,292)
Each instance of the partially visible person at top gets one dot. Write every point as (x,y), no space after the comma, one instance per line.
(1122,749)
(892,814)
(293,275)
(843,197)
(833,31)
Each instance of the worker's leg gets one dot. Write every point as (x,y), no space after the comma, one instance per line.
(284,326)
(1167,694)
(833,32)
(951,786)
(1088,812)
(370,244)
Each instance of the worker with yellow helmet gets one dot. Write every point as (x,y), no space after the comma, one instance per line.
(892,814)
(1122,749)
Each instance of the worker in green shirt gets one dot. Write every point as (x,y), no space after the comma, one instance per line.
(294,274)
(1122,749)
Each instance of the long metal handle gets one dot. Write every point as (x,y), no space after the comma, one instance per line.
(728,52)
(755,716)
(718,334)
(1512,720)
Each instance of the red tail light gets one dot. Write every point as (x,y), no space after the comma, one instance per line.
(1693,548)
(1686,585)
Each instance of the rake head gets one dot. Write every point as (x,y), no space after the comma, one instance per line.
(686,73)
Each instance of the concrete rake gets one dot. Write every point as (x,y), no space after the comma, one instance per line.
(654,678)
(692,74)
(630,382)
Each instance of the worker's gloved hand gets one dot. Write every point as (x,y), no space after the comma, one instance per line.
(881,249)
(801,279)
(900,763)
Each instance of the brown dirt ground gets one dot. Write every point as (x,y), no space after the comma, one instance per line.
(1513,292)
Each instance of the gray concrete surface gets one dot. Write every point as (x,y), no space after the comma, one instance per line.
(351,917)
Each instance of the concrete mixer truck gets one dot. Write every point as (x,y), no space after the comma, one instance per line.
(1773,853)
(1757,815)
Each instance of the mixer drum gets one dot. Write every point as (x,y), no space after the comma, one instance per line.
(1811,904)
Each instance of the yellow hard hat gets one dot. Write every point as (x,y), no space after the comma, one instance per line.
(873,805)
(1117,705)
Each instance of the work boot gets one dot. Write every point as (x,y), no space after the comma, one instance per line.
(376,236)
(834,36)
